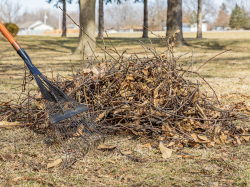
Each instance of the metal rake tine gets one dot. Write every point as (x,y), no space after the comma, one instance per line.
(69,141)
(64,146)
(77,144)
(85,127)
(71,144)
(87,124)
(71,125)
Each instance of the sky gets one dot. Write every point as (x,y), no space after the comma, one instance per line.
(36,4)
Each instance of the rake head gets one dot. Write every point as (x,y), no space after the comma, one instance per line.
(73,124)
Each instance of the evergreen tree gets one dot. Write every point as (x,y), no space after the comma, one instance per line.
(193,18)
(239,18)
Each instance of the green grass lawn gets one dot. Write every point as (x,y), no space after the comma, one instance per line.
(229,75)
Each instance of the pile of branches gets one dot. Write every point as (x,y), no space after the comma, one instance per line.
(146,96)
(151,97)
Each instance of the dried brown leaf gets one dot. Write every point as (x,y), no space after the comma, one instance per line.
(246,138)
(53,164)
(17,179)
(203,138)
(148,145)
(187,156)
(127,152)
(106,147)
(238,140)
(170,144)
(166,152)
(223,137)
(7,124)
(2,158)
(194,136)
(100,116)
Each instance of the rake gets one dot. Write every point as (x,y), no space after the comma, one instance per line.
(73,126)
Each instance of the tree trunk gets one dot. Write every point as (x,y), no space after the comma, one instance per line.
(174,19)
(64,28)
(145,19)
(101,20)
(199,19)
(87,22)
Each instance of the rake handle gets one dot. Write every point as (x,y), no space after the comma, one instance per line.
(11,39)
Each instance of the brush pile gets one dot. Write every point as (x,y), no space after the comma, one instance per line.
(148,97)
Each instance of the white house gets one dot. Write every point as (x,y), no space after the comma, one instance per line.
(186,27)
(33,27)
(193,27)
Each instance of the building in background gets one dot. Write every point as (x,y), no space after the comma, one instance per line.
(131,29)
(221,28)
(33,28)
(186,27)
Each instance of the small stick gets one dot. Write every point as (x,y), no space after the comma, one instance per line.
(192,61)
(131,157)
(212,58)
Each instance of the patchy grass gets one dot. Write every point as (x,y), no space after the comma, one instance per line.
(27,154)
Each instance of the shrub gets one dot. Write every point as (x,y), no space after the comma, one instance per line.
(12,28)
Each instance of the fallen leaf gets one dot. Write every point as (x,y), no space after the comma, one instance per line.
(130,77)
(166,152)
(203,138)
(127,152)
(17,179)
(148,145)
(211,144)
(238,140)
(187,156)
(106,147)
(111,161)
(246,138)
(9,156)
(8,125)
(53,164)
(43,171)
(194,136)
(229,141)
(170,144)
(20,156)
(100,116)
(223,137)
(2,158)
(194,144)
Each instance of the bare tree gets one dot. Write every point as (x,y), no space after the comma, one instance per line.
(199,19)
(64,26)
(118,16)
(157,14)
(145,20)
(174,19)
(101,20)
(209,11)
(9,11)
(223,17)
(87,23)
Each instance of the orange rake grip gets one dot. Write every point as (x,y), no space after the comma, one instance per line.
(6,33)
